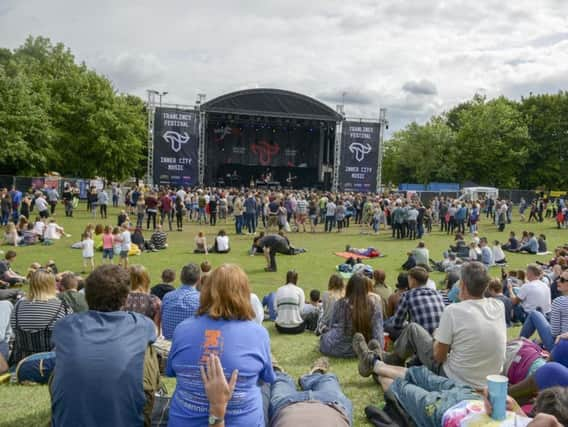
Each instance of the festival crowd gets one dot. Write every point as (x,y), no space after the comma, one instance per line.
(103,342)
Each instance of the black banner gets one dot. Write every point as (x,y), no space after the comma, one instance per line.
(359,156)
(176,140)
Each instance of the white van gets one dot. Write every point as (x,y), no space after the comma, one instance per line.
(478,193)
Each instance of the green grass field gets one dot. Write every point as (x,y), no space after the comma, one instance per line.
(29,405)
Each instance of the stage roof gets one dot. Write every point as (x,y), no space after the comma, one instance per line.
(271,103)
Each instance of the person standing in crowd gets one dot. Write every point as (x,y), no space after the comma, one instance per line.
(223,323)
(125,243)
(166,206)
(179,208)
(151,203)
(67,198)
(238,214)
(118,384)
(330,208)
(116,193)
(102,200)
(250,213)
(52,198)
(41,205)
(213,210)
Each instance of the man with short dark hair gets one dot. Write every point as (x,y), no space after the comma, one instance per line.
(161,289)
(107,372)
(159,238)
(474,329)
(421,305)
(182,303)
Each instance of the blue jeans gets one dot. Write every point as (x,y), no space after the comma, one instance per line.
(250,222)
(426,397)
(4,350)
(238,224)
(324,388)
(536,321)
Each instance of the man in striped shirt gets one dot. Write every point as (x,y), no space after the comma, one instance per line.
(301,212)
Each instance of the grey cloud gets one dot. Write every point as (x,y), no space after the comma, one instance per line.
(130,71)
(349,96)
(549,39)
(422,87)
(519,61)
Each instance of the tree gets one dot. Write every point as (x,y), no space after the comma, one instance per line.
(88,129)
(547,121)
(421,153)
(493,143)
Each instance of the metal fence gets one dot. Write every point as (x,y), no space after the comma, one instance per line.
(30,184)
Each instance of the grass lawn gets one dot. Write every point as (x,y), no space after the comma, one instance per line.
(29,405)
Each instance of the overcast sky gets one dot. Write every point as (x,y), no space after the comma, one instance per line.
(415,58)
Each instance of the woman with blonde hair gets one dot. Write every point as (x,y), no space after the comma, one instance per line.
(223,327)
(35,316)
(139,299)
(11,236)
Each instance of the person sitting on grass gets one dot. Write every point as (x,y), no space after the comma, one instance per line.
(358,311)
(76,300)
(159,238)
(537,321)
(474,329)
(6,309)
(312,310)
(221,244)
(531,296)
(498,254)
(289,301)
(223,328)
(200,244)
(35,316)
(512,244)
(381,289)
(421,305)
(7,274)
(495,290)
(161,289)
(435,401)
(183,302)
(107,371)
(335,291)
(139,299)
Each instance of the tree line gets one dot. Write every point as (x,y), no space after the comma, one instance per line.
(58,115)
(498,142)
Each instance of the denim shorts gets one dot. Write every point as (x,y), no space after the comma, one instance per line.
(108,253)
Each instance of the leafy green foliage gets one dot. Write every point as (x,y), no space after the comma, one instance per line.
(58,115)
(497,142)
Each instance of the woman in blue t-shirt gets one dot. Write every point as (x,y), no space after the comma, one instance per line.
(224,326)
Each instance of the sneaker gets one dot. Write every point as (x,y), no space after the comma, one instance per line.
(375,346)
(320,365)
(367,358)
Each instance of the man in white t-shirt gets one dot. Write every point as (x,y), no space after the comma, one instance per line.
(42,206)
(474,329)
(533,295)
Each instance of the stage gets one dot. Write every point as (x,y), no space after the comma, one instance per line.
(268,136)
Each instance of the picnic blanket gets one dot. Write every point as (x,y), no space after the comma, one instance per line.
(348,255)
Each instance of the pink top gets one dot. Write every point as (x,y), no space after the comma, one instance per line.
(107,241)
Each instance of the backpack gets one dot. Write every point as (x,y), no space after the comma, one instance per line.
(392,414)
(36,368)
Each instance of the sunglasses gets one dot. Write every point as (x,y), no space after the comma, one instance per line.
(562,280)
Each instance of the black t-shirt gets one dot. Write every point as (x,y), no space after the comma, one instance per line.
(4,267)
(274,241)
(161,290)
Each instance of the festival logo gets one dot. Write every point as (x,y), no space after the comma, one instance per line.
(176,139)
(360,150)
(264,151)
